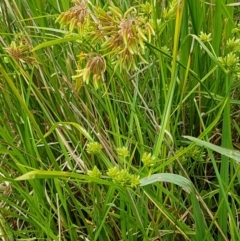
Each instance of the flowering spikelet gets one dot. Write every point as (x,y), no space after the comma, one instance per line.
(123,152)
(195,153)
(205,37)
(230,62)
(91,66)
(94,147)
(233,45)
(170,12)
(134,180)
(146,9)
(94,172)
(123,177)
(20,52)
(148,159)
(236,29)
(124,35)
(75,17)
(120,35)
(113,172)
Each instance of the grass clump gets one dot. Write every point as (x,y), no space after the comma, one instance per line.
(119,120)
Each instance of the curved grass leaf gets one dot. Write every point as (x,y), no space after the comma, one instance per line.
(188,187)
(38,174)
(235,155)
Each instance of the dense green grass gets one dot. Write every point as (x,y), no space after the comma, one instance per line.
(121,125)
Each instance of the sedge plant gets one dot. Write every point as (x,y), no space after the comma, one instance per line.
(119,120)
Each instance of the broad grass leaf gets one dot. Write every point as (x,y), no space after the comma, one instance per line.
(188,187)
(168,177)
(235,155)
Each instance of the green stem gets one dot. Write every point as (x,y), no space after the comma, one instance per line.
(224,170)
(167,108)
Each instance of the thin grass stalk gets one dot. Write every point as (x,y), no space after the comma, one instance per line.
(217,26)
(167,108)
(30,115)
(183,91)
(224,171)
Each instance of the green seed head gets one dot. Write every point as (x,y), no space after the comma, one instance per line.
(148,159)
(94,172)
(94,147)
(123,152)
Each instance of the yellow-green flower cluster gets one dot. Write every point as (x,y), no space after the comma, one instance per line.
(233,45)
(236,30)
(183,158)
(230,62)
(170,12)
(195,153)
(94,147)
(113,172)
(166,50)
(146,9)
(123,152)
(205,37)
(123,177)
(94,172)
(148,159)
